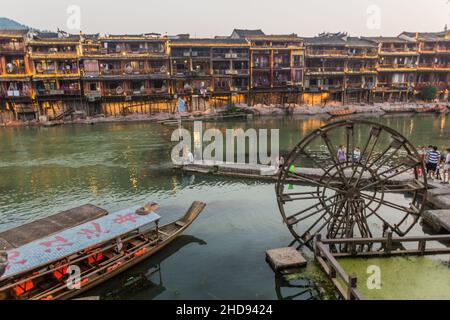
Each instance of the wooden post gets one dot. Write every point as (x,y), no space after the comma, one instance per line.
(422,247)
(388,248)
(353,282)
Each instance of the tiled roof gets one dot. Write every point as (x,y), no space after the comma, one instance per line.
(243,33)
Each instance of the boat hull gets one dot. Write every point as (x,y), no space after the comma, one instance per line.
(175,228)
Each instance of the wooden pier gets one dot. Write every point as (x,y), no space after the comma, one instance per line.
(347,285)
(264,172)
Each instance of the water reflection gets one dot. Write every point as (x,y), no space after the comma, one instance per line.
(145,280)
(295,289)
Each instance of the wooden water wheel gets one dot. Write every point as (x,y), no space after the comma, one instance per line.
(352,179)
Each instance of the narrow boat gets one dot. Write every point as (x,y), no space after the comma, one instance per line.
(342,112)
(425,110)
(441,109)
(401,109)
(66,254)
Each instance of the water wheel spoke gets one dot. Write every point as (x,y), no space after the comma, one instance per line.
(402,188)
(374,132)
(333,154)
(365,168)
(337,225)
(313,181)
(386,203)
(327,221)
(396,144)
(386,179)
(286,197)
(293,218)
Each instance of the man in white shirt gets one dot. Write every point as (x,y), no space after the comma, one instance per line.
(190,158)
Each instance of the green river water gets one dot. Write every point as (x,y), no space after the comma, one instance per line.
(221,256)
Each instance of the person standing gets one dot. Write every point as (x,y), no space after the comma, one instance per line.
(342,154)
(433,159)
(446,172)
(356,155)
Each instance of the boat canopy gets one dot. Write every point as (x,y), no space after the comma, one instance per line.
(76,239)
(41,228)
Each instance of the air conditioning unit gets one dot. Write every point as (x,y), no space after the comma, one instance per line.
(228,55)
(194,54)
(234,55)
(186,54)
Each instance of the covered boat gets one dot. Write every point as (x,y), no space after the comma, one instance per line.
(64,255)
(342,112)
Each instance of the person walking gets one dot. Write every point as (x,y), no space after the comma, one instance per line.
(433,158)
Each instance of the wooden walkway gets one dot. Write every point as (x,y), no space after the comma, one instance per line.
(438,195)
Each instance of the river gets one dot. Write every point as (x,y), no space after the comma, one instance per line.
(221,256)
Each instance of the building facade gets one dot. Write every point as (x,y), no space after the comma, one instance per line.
(57,74)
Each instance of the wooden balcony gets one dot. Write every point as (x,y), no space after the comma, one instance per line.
(231,72)
(54,55)
(395,67)
(15,94)
(434,66)
(60,92)
(230,56)
(131,92)
(325,53)
(17,47)
(324,70)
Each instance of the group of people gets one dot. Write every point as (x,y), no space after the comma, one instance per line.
(342,154)
(437,163)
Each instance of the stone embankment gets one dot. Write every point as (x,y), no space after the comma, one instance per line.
(377,109)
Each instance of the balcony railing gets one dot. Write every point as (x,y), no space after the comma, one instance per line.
(15,70)
(324,69)
(15,93)
(71,72)
(360,70)
(430,65)
(373,54)
(393,84)
(231,71)
(261,66)
(9,47)
(282,65)
(399,50)
(130,72)
(397,66)
(60,92)
(230,56)
(441,85)
(136,92)
(324,52)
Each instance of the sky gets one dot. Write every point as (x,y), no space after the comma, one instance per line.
(206,18)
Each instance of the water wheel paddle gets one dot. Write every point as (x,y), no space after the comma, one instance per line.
(361,173)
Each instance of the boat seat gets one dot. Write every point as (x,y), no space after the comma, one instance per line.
(180,223)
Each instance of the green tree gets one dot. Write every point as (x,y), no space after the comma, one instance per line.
(429,93)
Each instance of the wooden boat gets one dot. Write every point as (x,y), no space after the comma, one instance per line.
(69,253)
(400,109)
(441,109)
(425,110)
(342,112)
